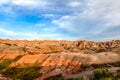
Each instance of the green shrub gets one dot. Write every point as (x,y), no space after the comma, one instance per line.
(101,74)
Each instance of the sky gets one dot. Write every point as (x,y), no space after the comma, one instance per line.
(93,20)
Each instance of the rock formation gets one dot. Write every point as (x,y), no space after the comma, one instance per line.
(55,57)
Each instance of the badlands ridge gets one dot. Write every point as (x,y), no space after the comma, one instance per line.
(71,59)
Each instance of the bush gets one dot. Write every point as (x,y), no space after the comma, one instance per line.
(101,74)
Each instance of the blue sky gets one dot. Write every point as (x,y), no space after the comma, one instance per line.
(94,20)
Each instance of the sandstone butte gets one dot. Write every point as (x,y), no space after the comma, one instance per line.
(67,56)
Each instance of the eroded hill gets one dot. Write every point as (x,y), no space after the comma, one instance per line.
(51,57)
(58,46)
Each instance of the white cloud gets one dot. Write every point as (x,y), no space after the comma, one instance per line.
(25,4)
(3,2)
(109,38)
(74,4)
(107,10)
(46,6)
(86,19)
(30,36)
(30,3)
(65,22)
(6,32)
(78,23)
(40,24)
(97,16)
(11,33)
(48,15)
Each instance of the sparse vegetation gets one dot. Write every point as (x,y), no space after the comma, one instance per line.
(115,64)
(8,44)
(101,74)
(57,77)
(104,74)
(15,44)
(83,67)
(60,77)
(7,62)
(24,49)
(29,72)
(78,79)
(118,70)
(100,65)
(66,61)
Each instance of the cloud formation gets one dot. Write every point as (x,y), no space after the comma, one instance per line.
(96,20)
(87,19)
(30,36)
